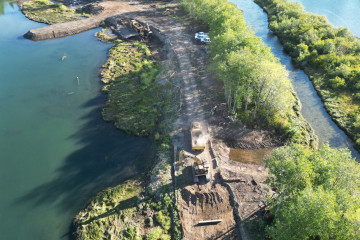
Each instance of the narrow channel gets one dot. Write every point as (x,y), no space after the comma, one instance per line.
(312,107)
(56,151)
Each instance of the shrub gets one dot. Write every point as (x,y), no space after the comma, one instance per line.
(157,234)
(163,220)
(42,2)
(61,7)
(337,83)
(133,233)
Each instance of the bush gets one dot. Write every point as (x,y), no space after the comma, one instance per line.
(357,96)
(337,83)
(133,233)
(163,220)
(42,2)
(61,7)
(157,234)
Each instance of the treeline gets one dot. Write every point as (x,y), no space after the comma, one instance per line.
(329,55)
(256,86)
(318,194)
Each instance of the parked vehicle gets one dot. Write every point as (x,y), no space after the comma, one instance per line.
(202,37)
(205,40)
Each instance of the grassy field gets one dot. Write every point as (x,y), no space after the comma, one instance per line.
(136,100)
(50,13)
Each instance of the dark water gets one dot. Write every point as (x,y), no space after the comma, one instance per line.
(255,156)
(339,13)
(312,107)
(55,149)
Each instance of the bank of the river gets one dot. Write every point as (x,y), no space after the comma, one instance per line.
(141,101)
(145,208)
(328,55)
(44,11)
(56,150)
(234,53)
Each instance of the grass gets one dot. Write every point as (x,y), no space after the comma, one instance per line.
(112,207)
(341,106)
(128,212)
(135,87)
(135,100)
(50,13)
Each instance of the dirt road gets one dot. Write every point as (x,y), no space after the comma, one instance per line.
(231,201)
(236,191)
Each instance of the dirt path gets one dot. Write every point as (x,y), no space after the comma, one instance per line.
(198,202)
(232,201)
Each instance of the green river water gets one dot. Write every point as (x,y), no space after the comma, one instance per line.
(55,149)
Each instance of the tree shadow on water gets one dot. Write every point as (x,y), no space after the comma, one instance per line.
(107,156)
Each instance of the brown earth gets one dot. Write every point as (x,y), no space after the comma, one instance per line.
(70,28)
(236,192)
(231,201)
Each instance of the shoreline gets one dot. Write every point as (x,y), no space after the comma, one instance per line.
(158,176)
(331,105)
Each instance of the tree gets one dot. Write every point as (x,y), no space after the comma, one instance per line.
(318,193)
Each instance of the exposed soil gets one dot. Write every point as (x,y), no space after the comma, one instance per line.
(200,203)
(236,192)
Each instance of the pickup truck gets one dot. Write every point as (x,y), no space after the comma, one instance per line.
(202,37)
(205,40)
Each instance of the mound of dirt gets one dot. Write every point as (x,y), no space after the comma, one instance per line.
(201,203)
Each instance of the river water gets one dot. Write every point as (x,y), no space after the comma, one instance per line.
(312,106)
(339,13)
(55,149)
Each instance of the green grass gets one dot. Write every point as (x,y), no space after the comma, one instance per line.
(136,87)
(112,207)
(50,13)
(135,101)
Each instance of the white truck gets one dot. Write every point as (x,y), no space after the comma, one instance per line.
(202,37)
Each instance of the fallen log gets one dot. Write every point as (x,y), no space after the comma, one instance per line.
(210,222)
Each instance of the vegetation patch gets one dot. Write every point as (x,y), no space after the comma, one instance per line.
(256,86)
(110,213)
(330,57)
(142,208)
(317,193)
(46,12)
(131,211)
(136,98)
(126,212)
